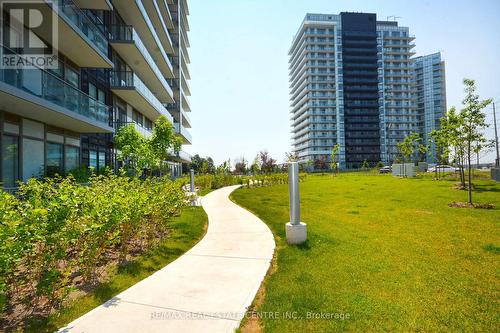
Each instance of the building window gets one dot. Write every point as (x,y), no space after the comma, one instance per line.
(54,159)
(102,160)
(72,158)
(72,77)
(93,159)
(137,117)
(33,158)
(10,160)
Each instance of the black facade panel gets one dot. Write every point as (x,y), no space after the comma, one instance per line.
(361,110)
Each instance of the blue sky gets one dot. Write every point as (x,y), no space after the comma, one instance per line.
(239,63)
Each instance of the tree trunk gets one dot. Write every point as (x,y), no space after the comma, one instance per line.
(470,178)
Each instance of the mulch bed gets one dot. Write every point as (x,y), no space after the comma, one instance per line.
(468,205)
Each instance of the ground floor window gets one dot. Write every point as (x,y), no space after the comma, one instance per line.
(72,158)
(10,160)
(54,159)
(33,158)
(93,159)
(102,160)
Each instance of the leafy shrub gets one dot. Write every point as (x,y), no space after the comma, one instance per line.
(269,179)
(57,230)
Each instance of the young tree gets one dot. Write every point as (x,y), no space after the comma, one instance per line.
(240,167)
(406,148)
(268,164)
(309,165)
(422,151)
(334,155)
(365,166)
(320,163)
(196,163)
(474,122)
(133,148)
(255,167)
(210,165)
(164,141)
(452,126)
(224,168)
(441,141)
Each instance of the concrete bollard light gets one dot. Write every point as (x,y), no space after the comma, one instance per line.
(296,231)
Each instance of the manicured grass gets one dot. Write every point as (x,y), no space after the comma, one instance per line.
(186,229)
(387,251)
(204,191)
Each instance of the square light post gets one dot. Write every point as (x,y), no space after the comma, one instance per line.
(191,178)
(296,231)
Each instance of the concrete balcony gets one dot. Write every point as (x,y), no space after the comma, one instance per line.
(42,96)
(185,52)
(167,15)
(181,156)
(79,38)
(94,4)
(132,90)
(185,135)
(185,104)
(179,114)
(185,69)
(186,121)
(134,13)
(185,86)
(155,14)
(126,41)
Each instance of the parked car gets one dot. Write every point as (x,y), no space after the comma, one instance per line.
(443,168)
(386,169)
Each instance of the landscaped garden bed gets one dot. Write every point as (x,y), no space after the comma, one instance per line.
(66,248)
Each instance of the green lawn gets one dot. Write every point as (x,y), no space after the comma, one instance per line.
(186,229)
(388,252)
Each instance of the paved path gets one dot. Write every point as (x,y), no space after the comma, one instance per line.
(205,290)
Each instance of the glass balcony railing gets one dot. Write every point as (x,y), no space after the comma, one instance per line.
(48,86)
(128,79)
(182,131)
(145,132)
(83,23)
(126,33)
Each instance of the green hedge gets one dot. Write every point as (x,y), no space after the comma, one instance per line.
(209,181)
(57,230)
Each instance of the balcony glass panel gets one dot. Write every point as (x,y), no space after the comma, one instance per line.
(128,79)
(49,87)
(83,23)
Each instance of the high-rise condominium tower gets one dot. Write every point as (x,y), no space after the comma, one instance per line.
(352,83)
(431,97)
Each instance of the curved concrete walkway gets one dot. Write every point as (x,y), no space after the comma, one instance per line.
(208,289)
